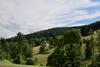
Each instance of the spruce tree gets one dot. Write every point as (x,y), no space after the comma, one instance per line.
(24,49)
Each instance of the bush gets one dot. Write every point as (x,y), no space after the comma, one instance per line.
(2,55)
(44,48)
(19,60)
(72,36)
(30,61)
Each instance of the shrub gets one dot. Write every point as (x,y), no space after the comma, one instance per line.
(30,61)
(19,60)
(44,48)
(2,55)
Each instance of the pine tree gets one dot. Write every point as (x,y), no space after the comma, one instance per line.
(24,49)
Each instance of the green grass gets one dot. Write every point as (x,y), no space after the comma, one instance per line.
(6,63)
(41,59)
(36,50)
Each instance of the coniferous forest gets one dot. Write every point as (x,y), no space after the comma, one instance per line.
(57,47)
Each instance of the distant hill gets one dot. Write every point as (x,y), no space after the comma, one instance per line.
(60,30)
(86,29)
(46,34)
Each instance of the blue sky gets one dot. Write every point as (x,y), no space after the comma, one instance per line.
(28,16)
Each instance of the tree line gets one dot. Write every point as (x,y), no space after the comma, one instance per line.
(71,49)
(18,51)
(76,51)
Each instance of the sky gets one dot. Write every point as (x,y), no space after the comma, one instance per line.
(28,16)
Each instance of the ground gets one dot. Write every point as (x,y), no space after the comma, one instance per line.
(41,59)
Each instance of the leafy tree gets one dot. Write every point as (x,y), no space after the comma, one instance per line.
(96,59)
(72,36)
(19,59)
(67,55)
(57,58)
(30,61)
(73,56)
(14,50)
(24,49)
(4,49)
(27,50)
(91,50)
(44,47)
(88,50)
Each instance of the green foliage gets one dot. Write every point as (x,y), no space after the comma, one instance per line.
(2,55)
(19,59)
(17,51)
(30,61)
(96,60)
(88,51)
(4,49)
(56,58)
(98,37)
(67,40)
(44,47)
(72,36)
(67,55)
(73,56)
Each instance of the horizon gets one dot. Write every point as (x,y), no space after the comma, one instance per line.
(47,29)
(28,16)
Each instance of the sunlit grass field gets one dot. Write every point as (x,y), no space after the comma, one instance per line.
(6,63)
(41,60)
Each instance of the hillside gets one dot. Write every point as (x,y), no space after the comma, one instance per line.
(46,47)
(53,32)
(61,30)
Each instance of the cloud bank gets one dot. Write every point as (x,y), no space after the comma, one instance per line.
(28,16)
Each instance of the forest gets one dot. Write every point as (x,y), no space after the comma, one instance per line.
(57,47)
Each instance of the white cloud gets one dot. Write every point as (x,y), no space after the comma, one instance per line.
(33,15)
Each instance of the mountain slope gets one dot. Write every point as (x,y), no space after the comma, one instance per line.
(45,34)
(61,30)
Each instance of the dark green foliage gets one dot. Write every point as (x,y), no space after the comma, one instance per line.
(57,58)
(44,47)
(95,51)
(96,61)
(73,56)
(88,51)
(19,59)
(27,50)
(24,49)
(72,36)
(30,61)
(89,29)
(48,35)
(13,49)
(67,55)
(98,37)
(17,50)
(2,55)
(4,49)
